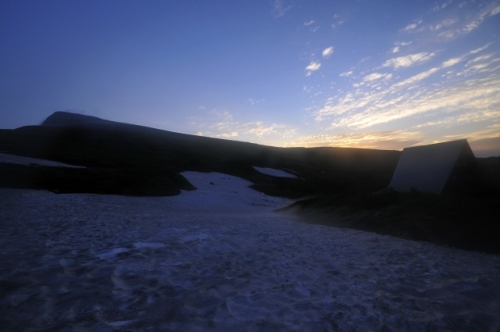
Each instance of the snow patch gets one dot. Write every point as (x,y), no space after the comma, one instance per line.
(14,159)
(275,172)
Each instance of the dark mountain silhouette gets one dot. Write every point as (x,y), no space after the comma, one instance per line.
(106,145)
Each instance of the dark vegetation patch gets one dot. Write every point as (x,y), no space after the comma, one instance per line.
(120,181)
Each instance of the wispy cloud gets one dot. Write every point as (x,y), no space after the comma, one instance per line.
(479,58)
(424,88)
(338,21)
(484,64)
(444,23)
(259,129)
(412,26)
(489,132)
(393,104)
(480,49)
(398,45)
(416,78)
(465,94)
(311,25)
(281,7)
(441,6)
(454,22)
(327,52)
(393,140)
(254,101)
(376,76)
(222,124)
(313,66)
(451,62)
(408,60)
(229,135)
(222,114)
(464,118)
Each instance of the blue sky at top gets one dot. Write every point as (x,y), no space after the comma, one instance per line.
(386,74)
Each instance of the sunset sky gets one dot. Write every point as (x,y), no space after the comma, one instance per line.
(370,74)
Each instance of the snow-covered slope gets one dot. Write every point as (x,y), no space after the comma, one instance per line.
(219,259)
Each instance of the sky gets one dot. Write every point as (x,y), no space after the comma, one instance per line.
(366,74)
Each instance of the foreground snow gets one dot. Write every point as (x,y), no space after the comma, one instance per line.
(219,259)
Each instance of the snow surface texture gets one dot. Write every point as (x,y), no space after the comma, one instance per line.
(218,259)
(274,172)
(14,159)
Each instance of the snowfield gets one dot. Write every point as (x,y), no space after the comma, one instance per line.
(219,259)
